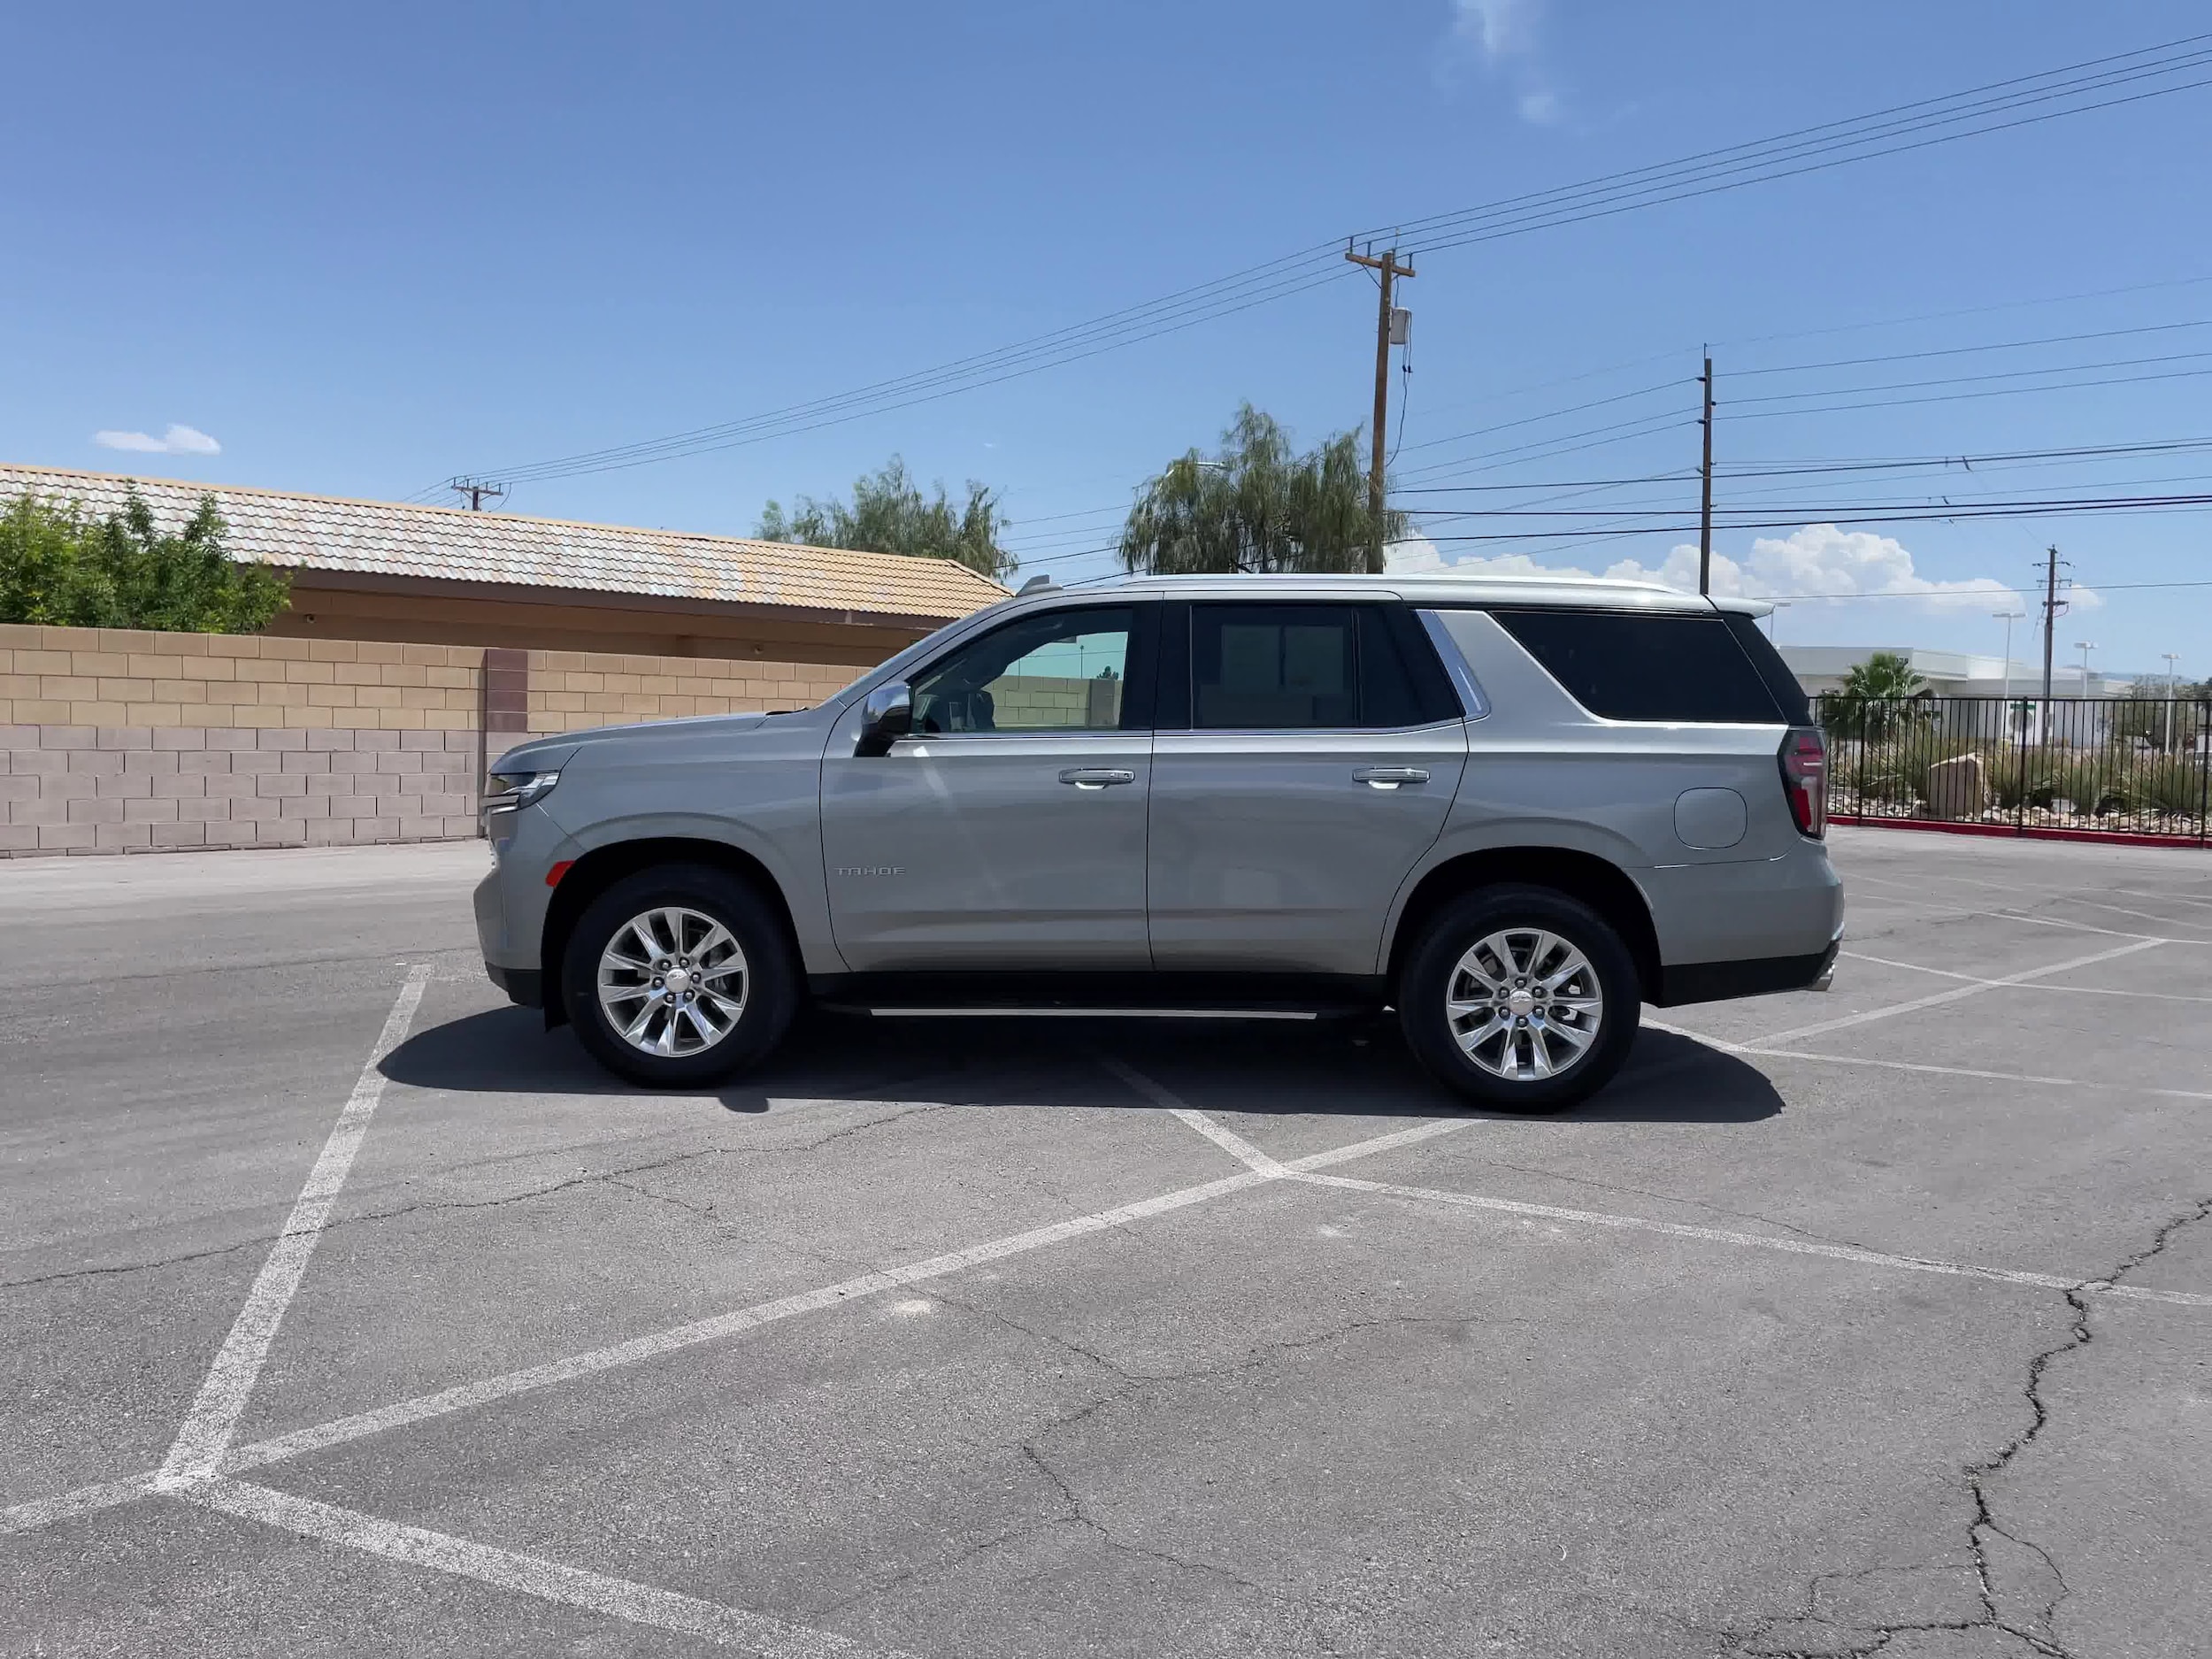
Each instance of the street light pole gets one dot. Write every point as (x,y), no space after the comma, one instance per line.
(2171,657)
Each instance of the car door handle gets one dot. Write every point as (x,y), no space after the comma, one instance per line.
(1389,777)
(1097,776)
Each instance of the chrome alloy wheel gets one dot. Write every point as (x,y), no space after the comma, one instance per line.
(672,982)
(1523,1005)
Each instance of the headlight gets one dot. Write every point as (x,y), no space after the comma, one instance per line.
(508,790)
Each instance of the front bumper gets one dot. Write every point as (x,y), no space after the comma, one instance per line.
(511,899)
(524,986)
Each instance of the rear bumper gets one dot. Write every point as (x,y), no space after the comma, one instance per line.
(524,986)
(1757,976)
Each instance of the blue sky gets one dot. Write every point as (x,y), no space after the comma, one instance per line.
(356,251)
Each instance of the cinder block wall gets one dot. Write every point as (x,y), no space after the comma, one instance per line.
(570,691)
(121,740)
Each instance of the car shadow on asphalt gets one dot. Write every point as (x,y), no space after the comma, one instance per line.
(1335,1068)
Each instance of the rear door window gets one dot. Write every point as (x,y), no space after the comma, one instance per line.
(1646,665)
(1307,667)
(1273,667)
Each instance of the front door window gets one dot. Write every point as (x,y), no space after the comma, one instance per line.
(1065,671)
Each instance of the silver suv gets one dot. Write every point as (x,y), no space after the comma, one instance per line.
(1514,812)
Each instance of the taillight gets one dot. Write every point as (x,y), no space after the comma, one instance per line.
(1805,780)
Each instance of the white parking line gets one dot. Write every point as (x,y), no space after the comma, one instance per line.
(1762,1049)
(2122,909)
(2013,891)
(1235,1145)
(1968,1070)
(1307,1171)
(2164,898)
(66,1506)
(444,1403)
(531,1575)
(1756,1240)
(2084,927)
(2029,984)
(207,1427)
(1937,998)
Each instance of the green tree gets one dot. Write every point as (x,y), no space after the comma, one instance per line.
(1879,697)
(2148,715)
(889,514)
(1257,505)
(61,566)
(1886,675)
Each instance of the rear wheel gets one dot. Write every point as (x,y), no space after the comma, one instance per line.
(679,976)
(1521,998)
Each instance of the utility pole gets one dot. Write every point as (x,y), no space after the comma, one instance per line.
(1389,268)
(1705,509)
(478,491)
(2050,616)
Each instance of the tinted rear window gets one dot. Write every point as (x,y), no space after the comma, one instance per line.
(1623,666)
(1789,694)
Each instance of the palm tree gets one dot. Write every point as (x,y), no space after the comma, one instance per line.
(1873,700)
(1886,675)
(1257,506)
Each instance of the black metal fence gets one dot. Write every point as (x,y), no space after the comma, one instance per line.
(2125,765)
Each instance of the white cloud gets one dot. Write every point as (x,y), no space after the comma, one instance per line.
(176,441)
(1497,27)
(1818,564)
(1416,555)
(1502,32)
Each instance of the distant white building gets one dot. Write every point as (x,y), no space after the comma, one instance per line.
(1822,668)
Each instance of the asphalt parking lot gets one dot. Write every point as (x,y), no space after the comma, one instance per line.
(1877,1321)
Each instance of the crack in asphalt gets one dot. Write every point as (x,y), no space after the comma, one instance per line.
(1082,1518)
(131,1267)
(1871,1639)
(588,1177)
(1127,1383)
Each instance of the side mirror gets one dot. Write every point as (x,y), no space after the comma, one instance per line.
(886,717)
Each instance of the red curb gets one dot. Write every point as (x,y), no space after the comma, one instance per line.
(2008,832)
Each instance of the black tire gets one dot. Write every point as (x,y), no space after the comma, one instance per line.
(771,975)
(1426,984)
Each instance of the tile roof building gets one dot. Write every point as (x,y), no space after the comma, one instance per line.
(364,569)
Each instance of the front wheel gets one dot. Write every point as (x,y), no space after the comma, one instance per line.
(1521,998)
(679,976)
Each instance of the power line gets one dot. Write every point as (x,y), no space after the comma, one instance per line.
(1979,587)
(1970,311)
(1838,143)
(1758,162)
(1991,458)
(1558,443)
(1954,397)
(1954,351)
(1966,507)
(1571,408)
(1909,516)
(1724,471)
(1974,380)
